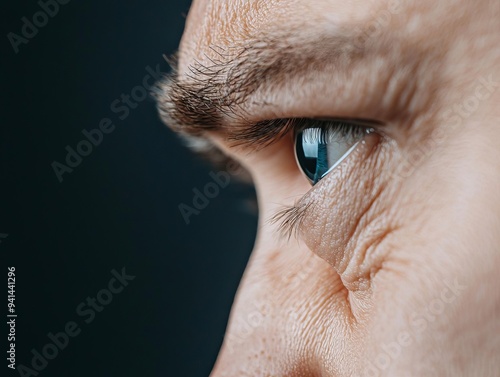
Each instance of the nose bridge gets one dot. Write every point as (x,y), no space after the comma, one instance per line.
(258,340)
(249,343)
(255,349)
(278,315)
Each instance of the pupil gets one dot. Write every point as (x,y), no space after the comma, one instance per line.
(312,155)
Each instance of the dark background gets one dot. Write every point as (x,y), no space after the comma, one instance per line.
(118,208)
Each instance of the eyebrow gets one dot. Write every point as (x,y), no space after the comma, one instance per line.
(216,96)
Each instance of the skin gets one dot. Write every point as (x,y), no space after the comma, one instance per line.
(394,271)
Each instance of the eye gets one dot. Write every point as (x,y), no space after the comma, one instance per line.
(323,145)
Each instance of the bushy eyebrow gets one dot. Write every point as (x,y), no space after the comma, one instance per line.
(215,96)
(201,100)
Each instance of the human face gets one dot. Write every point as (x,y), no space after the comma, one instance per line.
(391,267)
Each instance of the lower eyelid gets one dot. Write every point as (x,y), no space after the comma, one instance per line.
(341,159)
(290,219)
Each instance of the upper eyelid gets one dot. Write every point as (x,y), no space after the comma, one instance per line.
(261,134)
(357,121)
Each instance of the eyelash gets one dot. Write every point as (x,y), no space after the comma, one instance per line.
(264,133)
(327,131)
(290,219)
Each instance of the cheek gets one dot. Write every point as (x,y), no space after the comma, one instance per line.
(278,180)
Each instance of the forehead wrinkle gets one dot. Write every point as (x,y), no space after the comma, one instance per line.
(224,23)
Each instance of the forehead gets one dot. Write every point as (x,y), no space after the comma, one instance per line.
(216,26)
(271,59)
